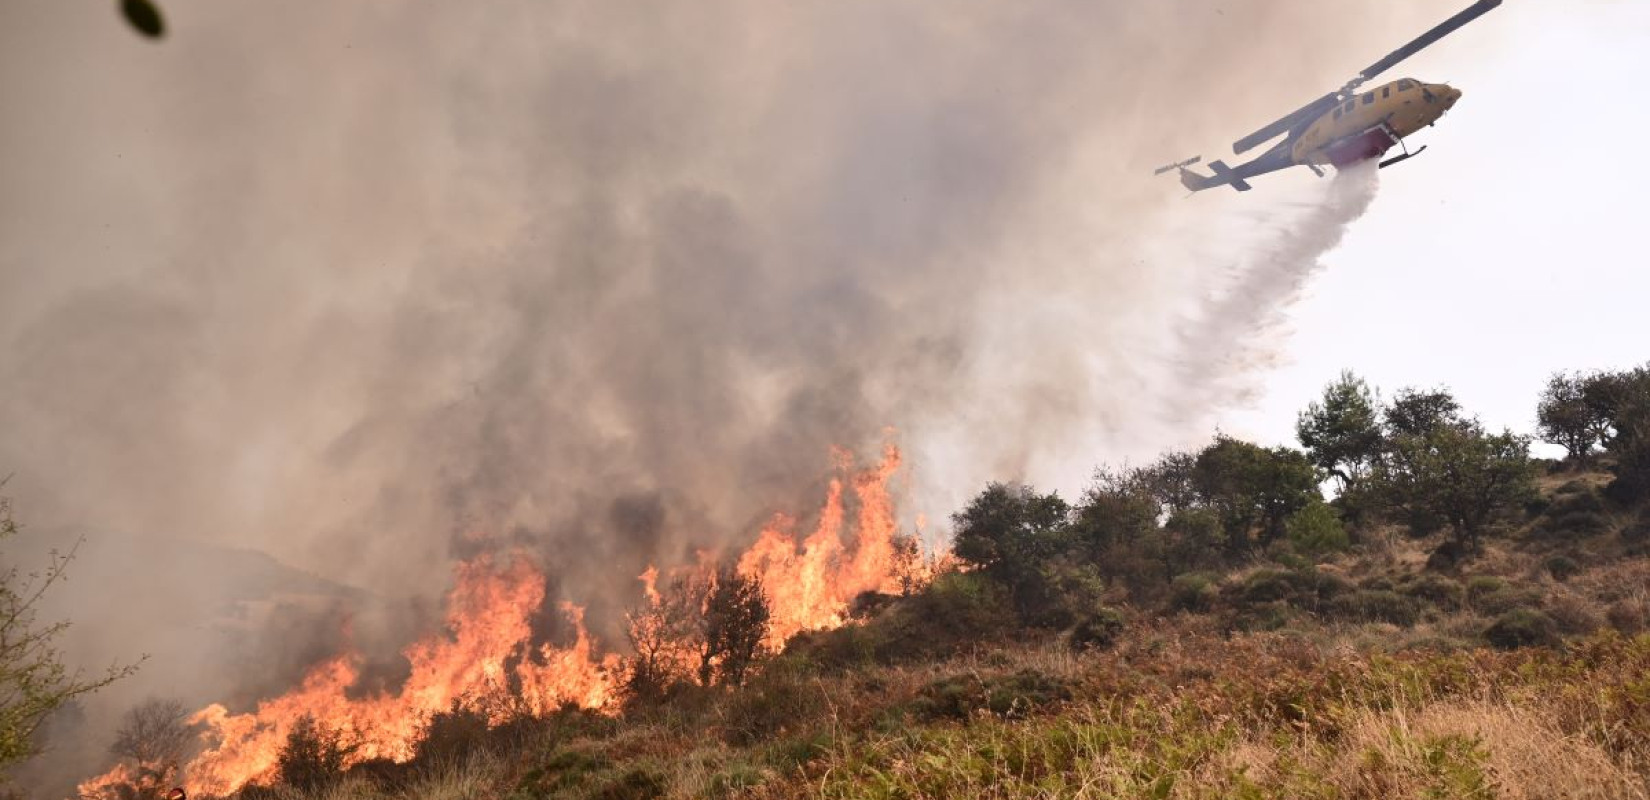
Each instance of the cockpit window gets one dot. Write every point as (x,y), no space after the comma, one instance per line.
(1405,85)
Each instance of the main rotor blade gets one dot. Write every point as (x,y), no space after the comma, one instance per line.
(1309,111)
(1449,26)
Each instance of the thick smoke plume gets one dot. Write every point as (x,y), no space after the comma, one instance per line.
(348,284)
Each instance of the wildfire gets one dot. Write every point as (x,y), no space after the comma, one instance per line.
(811,588)
(487,651)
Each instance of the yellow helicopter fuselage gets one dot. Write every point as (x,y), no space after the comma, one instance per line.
(1365,125)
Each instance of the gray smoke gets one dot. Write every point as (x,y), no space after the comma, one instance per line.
(342,283)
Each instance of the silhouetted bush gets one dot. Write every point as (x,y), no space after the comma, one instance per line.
(1522,628)
(313,756)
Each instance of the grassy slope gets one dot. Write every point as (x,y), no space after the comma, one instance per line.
(1181,707)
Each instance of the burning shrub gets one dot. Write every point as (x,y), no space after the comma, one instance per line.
(734,623)
(313,756)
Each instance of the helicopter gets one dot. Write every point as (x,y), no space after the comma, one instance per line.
(1344,127)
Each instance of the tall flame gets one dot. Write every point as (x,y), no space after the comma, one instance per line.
(811,588)
(487,652)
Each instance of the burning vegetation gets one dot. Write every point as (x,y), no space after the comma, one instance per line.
(706,625)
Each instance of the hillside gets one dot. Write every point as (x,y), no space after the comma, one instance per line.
(1365,675)
(1454,619)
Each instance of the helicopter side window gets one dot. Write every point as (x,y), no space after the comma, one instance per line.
(1405,85)
(1369,98)
(1386,91)
(1347,109)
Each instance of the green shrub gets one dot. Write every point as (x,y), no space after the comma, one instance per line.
(1574,524)
(1507,599)
(1097,631)
(1445,593)
(642,782)
(1378,583)
(1561,567)
(771,702)
(1007,696)
(1266,585)
(1194,591)
(1316,530)
(564,770)
(1367,605)
(1522,628)
(1480,585)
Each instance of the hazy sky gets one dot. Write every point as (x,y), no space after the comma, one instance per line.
(1513,247)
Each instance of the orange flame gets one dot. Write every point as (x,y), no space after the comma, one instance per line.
(487,639)
(486,650)
(810,588)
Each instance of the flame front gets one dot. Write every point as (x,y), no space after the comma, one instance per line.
(488,640)
(486,651)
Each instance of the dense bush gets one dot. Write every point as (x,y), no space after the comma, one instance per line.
(1009,696)
(1097,631)
(1437,590)
(1507,599)
(770,703)
(1522,628)
(1376,606)
(1316,530)
(313,756)
(1194,591)
(1561,567)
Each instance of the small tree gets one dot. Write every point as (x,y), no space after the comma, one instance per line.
(1011,534)
(734,624)
(34,681)
(1253,489)
(1341,432)
(1564,417)
(665,634)
(1460,475)
(1417,412)
(153,740)
(1629,440)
